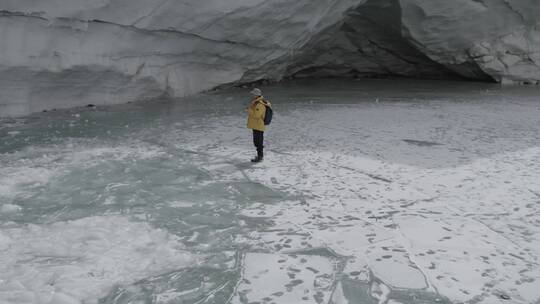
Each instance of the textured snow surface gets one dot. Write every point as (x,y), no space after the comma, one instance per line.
(370,192)
(60,53)
(305,278)
(82,260)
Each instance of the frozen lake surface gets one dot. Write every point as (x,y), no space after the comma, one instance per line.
(371,192)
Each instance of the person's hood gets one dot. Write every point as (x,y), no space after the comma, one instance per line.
(256,92)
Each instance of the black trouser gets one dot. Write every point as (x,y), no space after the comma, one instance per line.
(258,141)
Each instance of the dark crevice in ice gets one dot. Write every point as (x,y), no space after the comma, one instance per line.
(4,13)
(184,33)
(421,143)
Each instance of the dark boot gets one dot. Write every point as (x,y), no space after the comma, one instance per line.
(260,156)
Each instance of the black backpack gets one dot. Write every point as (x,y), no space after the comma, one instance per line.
(268,114)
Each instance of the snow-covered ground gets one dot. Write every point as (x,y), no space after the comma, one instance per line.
(371,192)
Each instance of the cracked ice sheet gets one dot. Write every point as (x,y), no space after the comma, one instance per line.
(306,225)
(391,263)
(281,278)
(284,238)
(470,197)
(462,257)
(287,233)
(82,260)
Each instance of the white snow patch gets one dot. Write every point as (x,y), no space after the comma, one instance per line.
(394,267)
(10,208)
(181,204)
(285,279)
(81,260)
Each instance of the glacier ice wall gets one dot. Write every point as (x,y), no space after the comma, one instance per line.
(60,53)
(68,53)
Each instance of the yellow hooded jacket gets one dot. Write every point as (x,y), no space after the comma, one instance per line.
(256,113)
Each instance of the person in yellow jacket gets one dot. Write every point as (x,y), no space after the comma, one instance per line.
(256,113)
